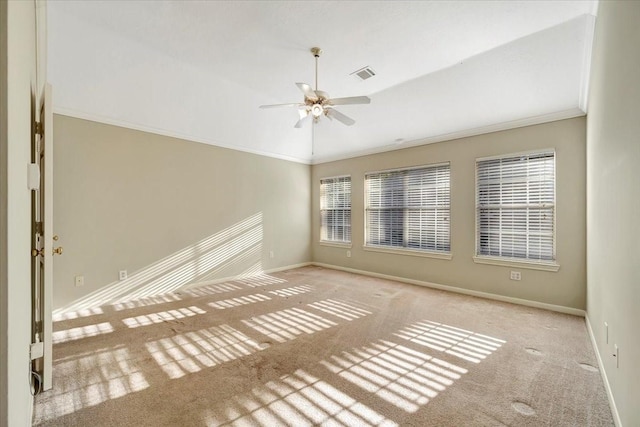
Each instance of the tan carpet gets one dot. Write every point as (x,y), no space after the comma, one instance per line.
(314,346)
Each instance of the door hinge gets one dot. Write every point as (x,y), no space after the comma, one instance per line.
(38,327)
(39,229)
(39,128)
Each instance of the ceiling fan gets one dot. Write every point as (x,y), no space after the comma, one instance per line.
(318,103)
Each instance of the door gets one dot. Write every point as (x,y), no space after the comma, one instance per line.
(43,243)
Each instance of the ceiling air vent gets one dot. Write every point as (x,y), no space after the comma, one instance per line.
(364,73)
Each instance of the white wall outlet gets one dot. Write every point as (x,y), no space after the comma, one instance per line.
(271,254)
(616,354)
(515,275)
(122,274)
(606,333)
(79,281)
(348,254)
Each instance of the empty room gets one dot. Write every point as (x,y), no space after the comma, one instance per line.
(300,213)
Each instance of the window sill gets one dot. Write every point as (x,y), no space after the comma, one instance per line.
(335,244)
(425,254)
(512,262)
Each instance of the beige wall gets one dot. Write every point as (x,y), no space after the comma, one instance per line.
(565,287)
(126,200)
(613,209)
(18,92)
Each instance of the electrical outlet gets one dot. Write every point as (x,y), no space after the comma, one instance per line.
(122,274)
(348,254)
(79,281)
(606,333)
(515,275)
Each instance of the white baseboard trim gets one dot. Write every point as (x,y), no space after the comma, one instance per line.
(245,276)
(612,402)
(487,295)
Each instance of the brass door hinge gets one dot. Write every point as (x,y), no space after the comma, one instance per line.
(38,327)
(39,128)
(39,228)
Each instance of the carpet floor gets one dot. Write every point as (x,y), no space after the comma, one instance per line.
(314,346)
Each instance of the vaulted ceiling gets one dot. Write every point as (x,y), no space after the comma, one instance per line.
(199,69)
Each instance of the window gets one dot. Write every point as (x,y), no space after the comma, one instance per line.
(335,209)
(409,209)
(516,207)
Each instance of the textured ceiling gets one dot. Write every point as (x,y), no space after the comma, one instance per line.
(199,70)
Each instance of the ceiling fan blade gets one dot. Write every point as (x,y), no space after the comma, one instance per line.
(308,92)
(340,117)
(292,104)
(350,100)
(302,121)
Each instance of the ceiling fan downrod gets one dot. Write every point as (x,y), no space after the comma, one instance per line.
(316,53)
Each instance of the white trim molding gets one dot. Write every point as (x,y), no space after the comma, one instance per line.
(487,295)
(513,124)
(603,373)
(171,134)
(344,245)
(508,262)
(402,251)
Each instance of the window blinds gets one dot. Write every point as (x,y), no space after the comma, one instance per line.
(409,208)
(335,209)
(516,206)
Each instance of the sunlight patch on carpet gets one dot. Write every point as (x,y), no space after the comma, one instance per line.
(162,316)
(193,351)
(81,332)
(403,377)
(340,309)
(286,325)
(299,399)
(238,301)
(106,375)
(257,279)
(458,342)
(202,291)
(77,314)
(145,302)
(295,290)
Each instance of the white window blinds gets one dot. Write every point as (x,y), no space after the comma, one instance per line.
(516,206)
(335,209)
(409,208)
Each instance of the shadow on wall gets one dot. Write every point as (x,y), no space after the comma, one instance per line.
(219,255)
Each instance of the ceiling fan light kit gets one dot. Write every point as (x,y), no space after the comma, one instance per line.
(318,103)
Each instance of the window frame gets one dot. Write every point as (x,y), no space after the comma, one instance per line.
(428,253)
(528,263)
(337,243)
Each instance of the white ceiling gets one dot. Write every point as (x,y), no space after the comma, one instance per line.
(199,70)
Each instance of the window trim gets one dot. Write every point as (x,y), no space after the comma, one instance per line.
(516,262)
(337,243)
(426,253)
(545,265)
(331,243)
(413,252)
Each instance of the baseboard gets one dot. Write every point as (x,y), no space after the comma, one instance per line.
(612,402)
(245,276)
(487,295)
